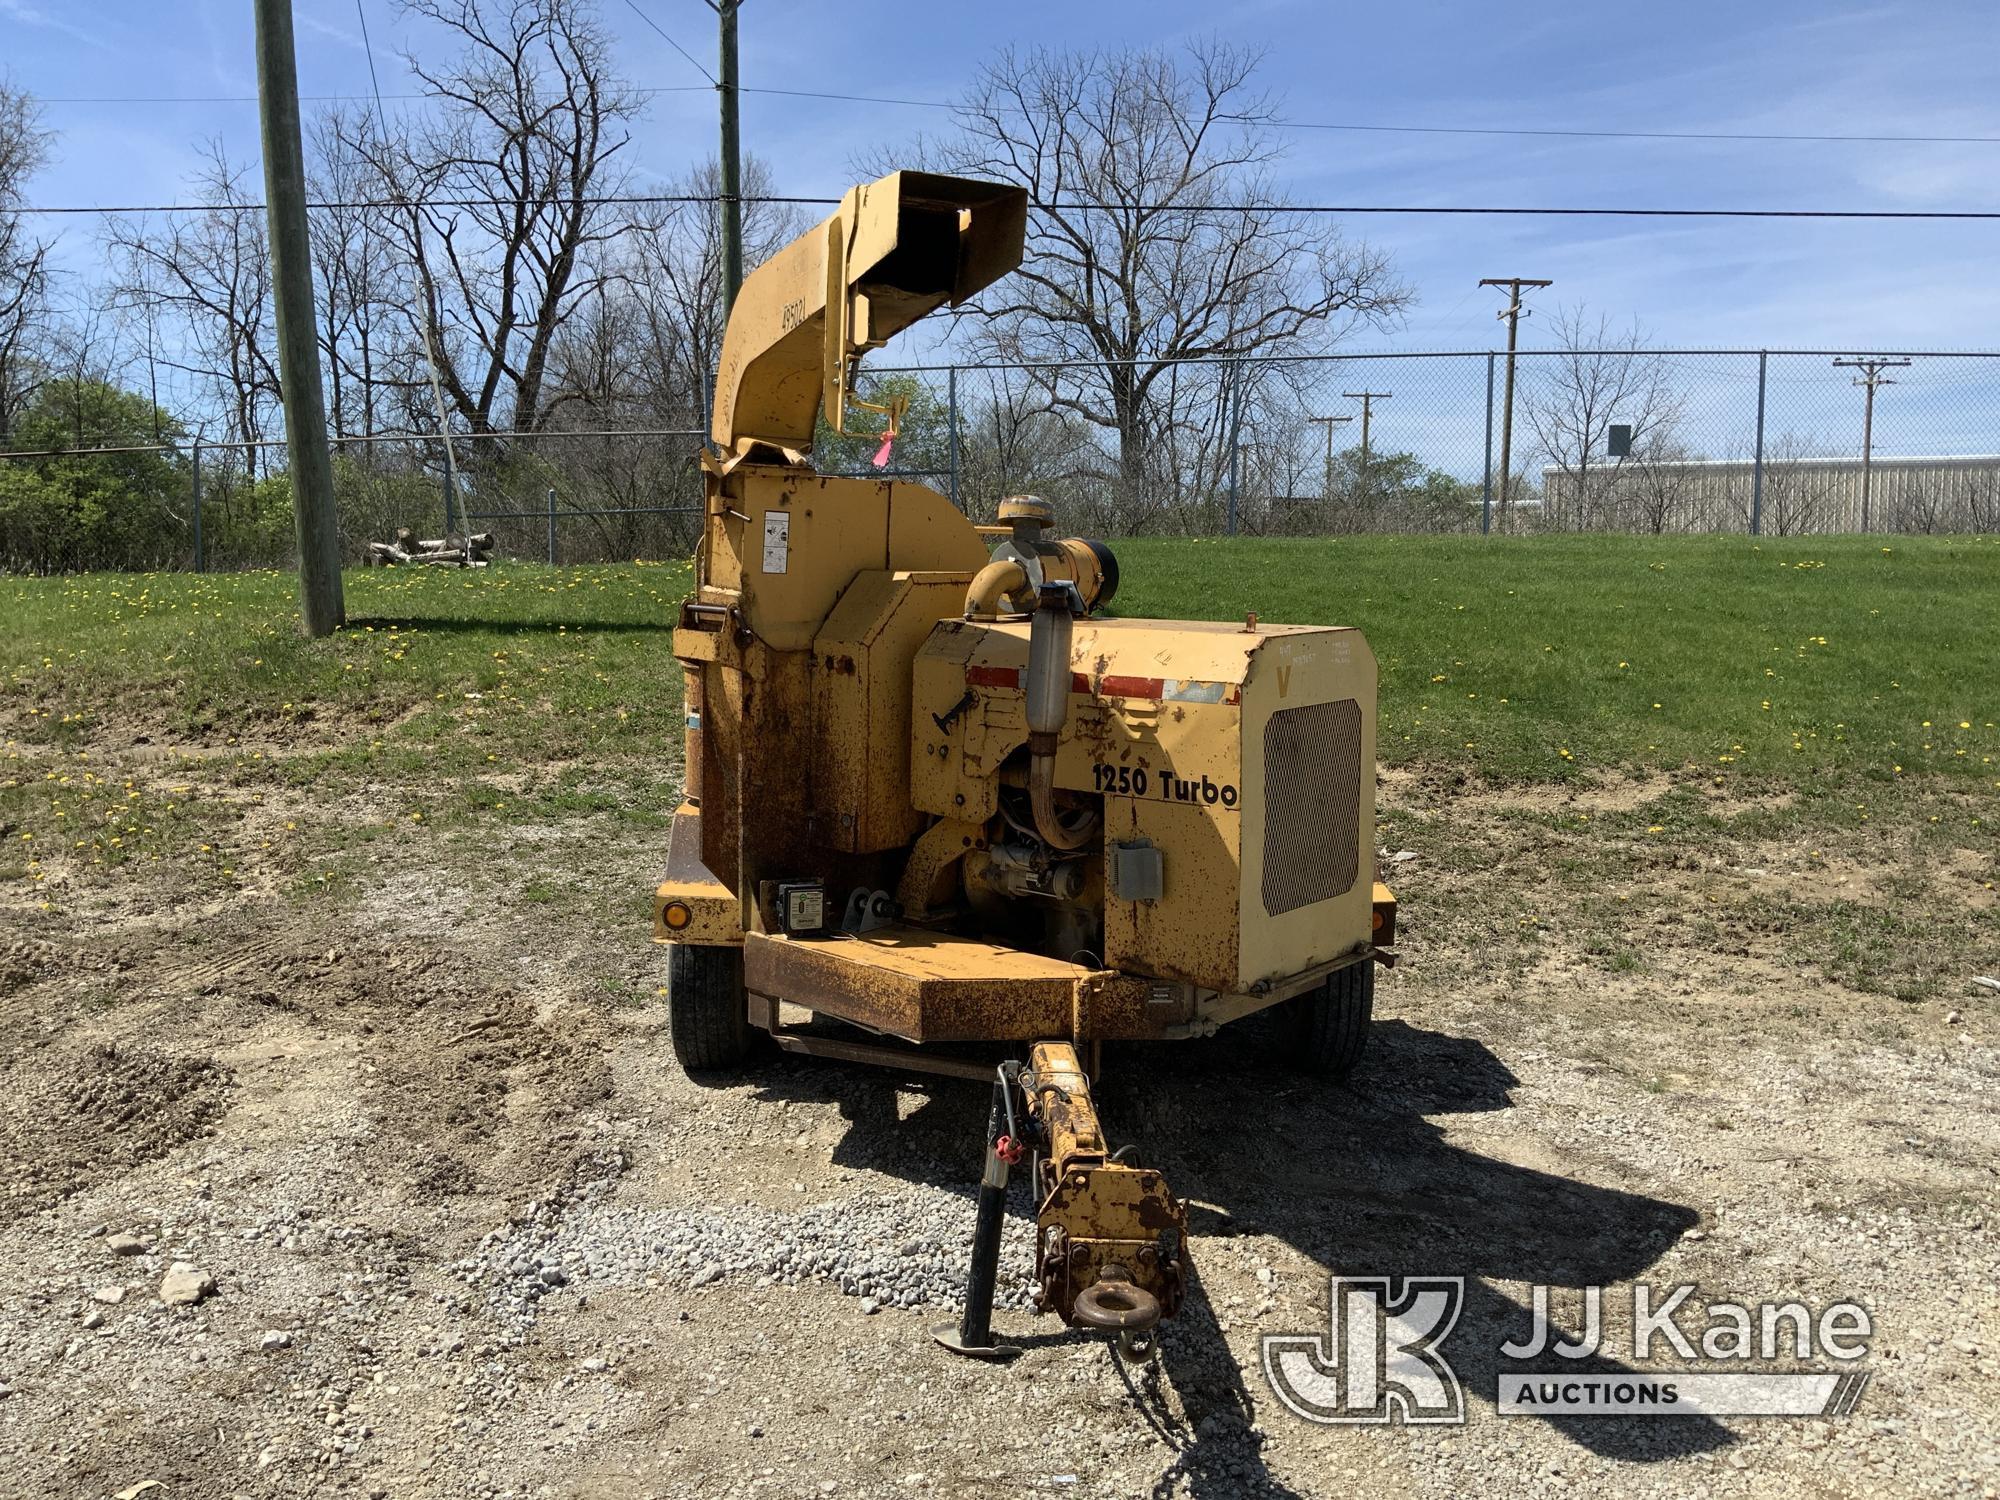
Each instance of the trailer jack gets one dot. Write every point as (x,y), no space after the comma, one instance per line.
(1110,1237)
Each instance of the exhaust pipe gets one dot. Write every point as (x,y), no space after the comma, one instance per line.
(1048,682)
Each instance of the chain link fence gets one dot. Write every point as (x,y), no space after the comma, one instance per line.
(1629,439)
(584,496)
(1779,442)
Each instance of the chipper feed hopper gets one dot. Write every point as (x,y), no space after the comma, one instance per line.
(934,794)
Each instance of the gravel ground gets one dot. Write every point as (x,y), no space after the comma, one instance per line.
(408,1198)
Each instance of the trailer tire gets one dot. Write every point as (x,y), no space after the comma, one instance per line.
(1329,1028)
(707,1017)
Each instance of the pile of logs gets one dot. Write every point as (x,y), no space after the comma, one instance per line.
(456,552)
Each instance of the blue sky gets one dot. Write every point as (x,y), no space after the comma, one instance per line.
(1781,66)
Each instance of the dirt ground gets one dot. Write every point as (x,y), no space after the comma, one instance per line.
(369,1115)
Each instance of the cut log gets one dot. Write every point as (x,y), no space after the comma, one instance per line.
(479,542)
(470,551)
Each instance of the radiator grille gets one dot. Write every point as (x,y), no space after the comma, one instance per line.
(1312,795)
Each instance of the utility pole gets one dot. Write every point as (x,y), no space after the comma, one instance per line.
(1367,400)
(298,342)
(1511,315)
(1329,423)
(732,165)
(1868,380)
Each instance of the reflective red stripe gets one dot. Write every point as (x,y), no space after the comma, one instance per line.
(1111,686)
(1132,687)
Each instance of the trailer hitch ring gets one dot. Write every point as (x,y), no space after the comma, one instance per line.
(1113,1304)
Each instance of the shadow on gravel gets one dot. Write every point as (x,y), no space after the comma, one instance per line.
(1357,1179)
(1353,1176)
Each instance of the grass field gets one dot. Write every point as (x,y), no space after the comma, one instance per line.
(1526,659)
(1533,658)
(1821,692)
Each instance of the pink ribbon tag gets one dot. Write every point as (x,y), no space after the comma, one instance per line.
(882,453)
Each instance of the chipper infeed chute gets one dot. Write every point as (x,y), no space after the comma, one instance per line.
(936,795)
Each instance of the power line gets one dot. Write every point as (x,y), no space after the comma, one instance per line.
(632,6)
(1367,400)
(1651,135)
(679,88)
(1511,316)
(1871,379)
(1556,132)
(368,46)
(635,199)
(1800,137)
(857,98)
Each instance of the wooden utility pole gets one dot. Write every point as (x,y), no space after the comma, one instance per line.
(1512,315)
(1868,380)
(298,343)
(732,164)
(1367,400)
(1329,423)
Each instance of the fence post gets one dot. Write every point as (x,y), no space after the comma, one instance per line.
(951,398)
(1235,430)
(200,560)
(552,526)
(1757,463)
(447,495)
(1486,504)
(707,415)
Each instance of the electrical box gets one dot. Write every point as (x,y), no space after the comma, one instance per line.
(801,907)
(1138,873)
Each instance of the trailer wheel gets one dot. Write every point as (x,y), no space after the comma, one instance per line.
(706,1013)
(1329,1027)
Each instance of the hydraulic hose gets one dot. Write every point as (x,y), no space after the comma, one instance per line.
(1042,800)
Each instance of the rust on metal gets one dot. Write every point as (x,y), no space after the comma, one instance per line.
(860,764)
(1098,1220)
(916,984)
(930,878)
(691,905)
(764,1014)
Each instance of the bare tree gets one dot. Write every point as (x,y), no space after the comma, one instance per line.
(356,280)
(1570,399)
(1658,491)
(1010,443)
(24,150)
(1982,501)
(208,278)
(1799,492)
(501,186)
(651,342)
(1155,237)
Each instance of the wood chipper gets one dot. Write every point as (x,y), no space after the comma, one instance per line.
(934,795)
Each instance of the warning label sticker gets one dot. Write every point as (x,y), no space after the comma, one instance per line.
(777,540)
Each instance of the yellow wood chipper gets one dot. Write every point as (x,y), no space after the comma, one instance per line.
(933,794)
